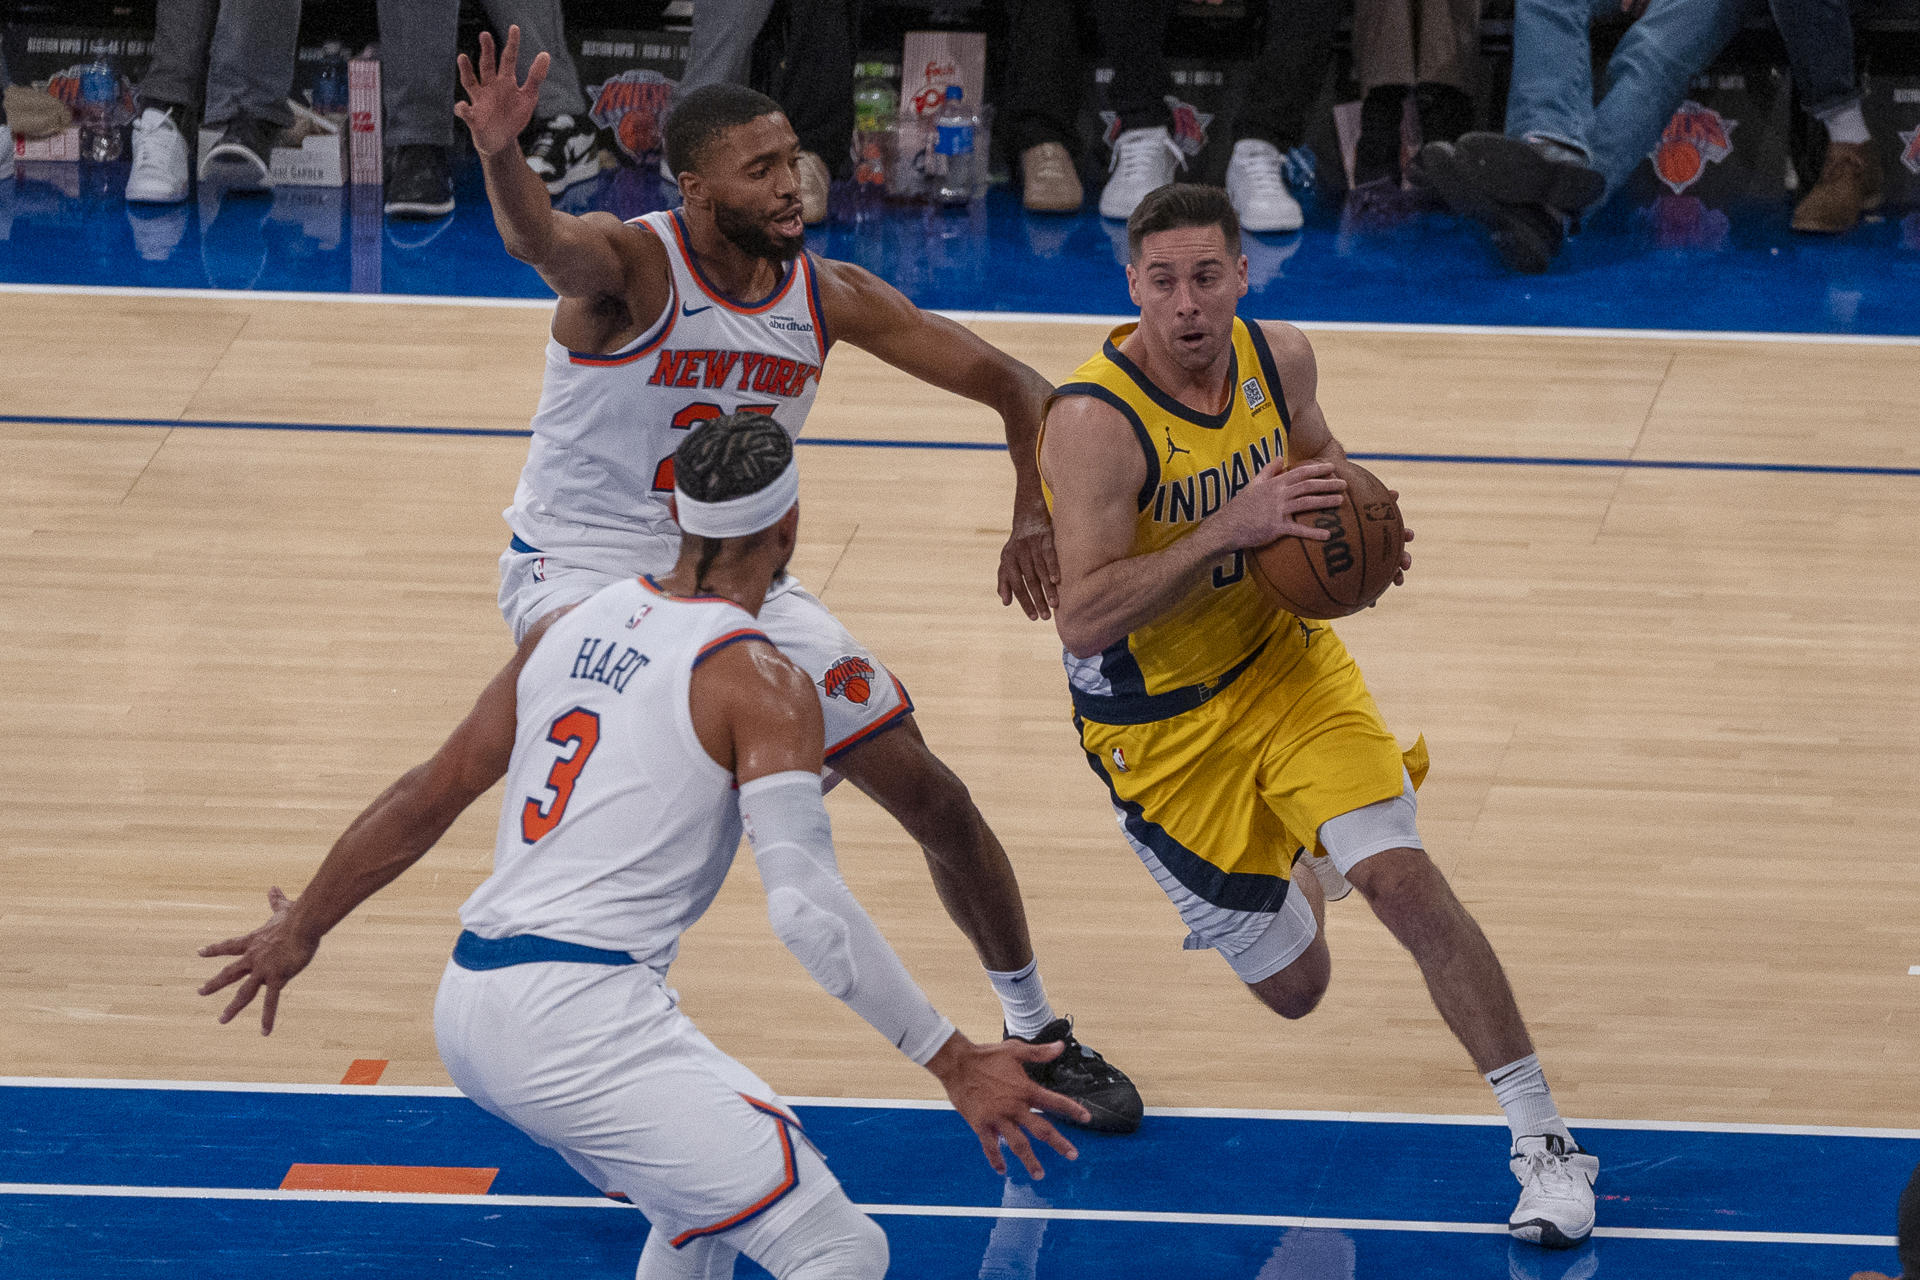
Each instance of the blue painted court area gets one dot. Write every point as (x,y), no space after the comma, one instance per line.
(1672,263)
(124,1180)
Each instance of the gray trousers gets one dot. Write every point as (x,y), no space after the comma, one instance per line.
(417,46)
(239,52)
(721,48)
(541,30)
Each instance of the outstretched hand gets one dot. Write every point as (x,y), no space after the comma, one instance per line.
(989,1088)
(498,108)
(270,956)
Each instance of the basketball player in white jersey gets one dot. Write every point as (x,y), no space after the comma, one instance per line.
(638,732)
(679,316)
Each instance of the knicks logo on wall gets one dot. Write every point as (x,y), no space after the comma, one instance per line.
(1189,126)
(633,104)
(850,678)
(1696,137)
(1910,154)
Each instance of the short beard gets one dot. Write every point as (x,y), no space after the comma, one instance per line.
(750,236)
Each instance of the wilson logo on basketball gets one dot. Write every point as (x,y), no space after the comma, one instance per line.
(849,678)
(1696,137)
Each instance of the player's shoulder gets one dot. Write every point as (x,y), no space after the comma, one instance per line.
(1287,343)
(745,663)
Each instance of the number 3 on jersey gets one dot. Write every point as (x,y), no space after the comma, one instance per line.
(579,729)
(692,416)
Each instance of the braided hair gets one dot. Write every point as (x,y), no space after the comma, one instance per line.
(729,457)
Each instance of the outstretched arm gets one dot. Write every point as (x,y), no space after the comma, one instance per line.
(578,257)
(388,837)
(874,316)
(757,715)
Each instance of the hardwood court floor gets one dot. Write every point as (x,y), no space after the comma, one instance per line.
(1674,713)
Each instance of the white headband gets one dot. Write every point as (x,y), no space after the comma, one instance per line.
(738,517)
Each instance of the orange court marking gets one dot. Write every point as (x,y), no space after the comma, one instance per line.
(414,1179)
(365,1071)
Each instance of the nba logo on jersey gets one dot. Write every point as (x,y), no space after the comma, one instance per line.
(1255,396)
(1119,760)
(639,617)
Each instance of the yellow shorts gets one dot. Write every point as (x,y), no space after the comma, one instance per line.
(1217,800)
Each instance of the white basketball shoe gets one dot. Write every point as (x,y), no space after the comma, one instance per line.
(1258,188)
(1556,1191)
(1143,160)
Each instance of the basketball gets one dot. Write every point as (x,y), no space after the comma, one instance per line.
(1348,571)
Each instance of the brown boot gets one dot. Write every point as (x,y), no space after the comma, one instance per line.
(1849,186)
(1048,183)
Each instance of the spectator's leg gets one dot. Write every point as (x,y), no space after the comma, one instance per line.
(1290,72)
(417,45)
(1383,60)
(721,48)
(250,71)
(1133,38)
(1819,37)
(814,82)
(1551,94)
(1044,76)
(1646,79)
(177,76)
(543,30)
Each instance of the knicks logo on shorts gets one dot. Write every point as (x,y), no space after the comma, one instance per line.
(850,678)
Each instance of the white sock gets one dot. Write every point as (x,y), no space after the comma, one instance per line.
(1023,997)
(1521,1090)
(1845,124)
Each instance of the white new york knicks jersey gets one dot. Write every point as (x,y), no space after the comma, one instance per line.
(601,464)
(617,827)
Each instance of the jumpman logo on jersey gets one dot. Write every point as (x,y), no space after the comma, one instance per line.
(1173,448)
(1307,634)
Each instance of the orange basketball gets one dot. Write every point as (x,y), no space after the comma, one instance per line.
(1348,571)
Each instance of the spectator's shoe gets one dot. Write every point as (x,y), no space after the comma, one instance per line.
(814,184)
(1259,190)
(6,153)
(1850,185)
(242,159)
(1527,236)
(1333,885)
(1556,1192)
(1517,171)
(1048,183)
(160,167)
(419,182)
(1112,1103)
(1143,159)
(157,233)
(563,151)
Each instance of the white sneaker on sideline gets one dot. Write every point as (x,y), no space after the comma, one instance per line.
(6,152)
(1143,159)
(1259,190)
(1556,1191)
(160,167)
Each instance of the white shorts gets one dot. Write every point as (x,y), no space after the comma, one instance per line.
(598,1063)
(858,696)
(1259,944)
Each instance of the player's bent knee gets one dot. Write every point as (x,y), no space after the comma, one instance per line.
(1296,990)
(831,1240)
(1395,876)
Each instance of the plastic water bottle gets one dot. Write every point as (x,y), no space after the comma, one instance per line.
(953,149)
(99,112)
(330,87)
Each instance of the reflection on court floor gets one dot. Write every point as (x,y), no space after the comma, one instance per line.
(136,1179)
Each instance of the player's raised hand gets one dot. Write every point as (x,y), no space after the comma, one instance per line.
(1029,572)
(270,956)
(1272,503)
(498,107)
(990,1089)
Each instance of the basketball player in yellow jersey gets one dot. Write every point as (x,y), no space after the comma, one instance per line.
(1233,736)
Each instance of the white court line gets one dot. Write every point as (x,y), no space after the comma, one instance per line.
(941,1211)
(1914,971)
(922,1104)
(1009,317)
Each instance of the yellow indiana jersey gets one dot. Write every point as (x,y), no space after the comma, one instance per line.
(1195,463)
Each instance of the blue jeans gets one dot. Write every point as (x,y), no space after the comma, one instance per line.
(1819,39)
(1646,79)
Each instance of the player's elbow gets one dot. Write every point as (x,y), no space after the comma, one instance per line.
(1081,636)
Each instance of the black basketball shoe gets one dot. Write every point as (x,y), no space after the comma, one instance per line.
(1112,1103)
